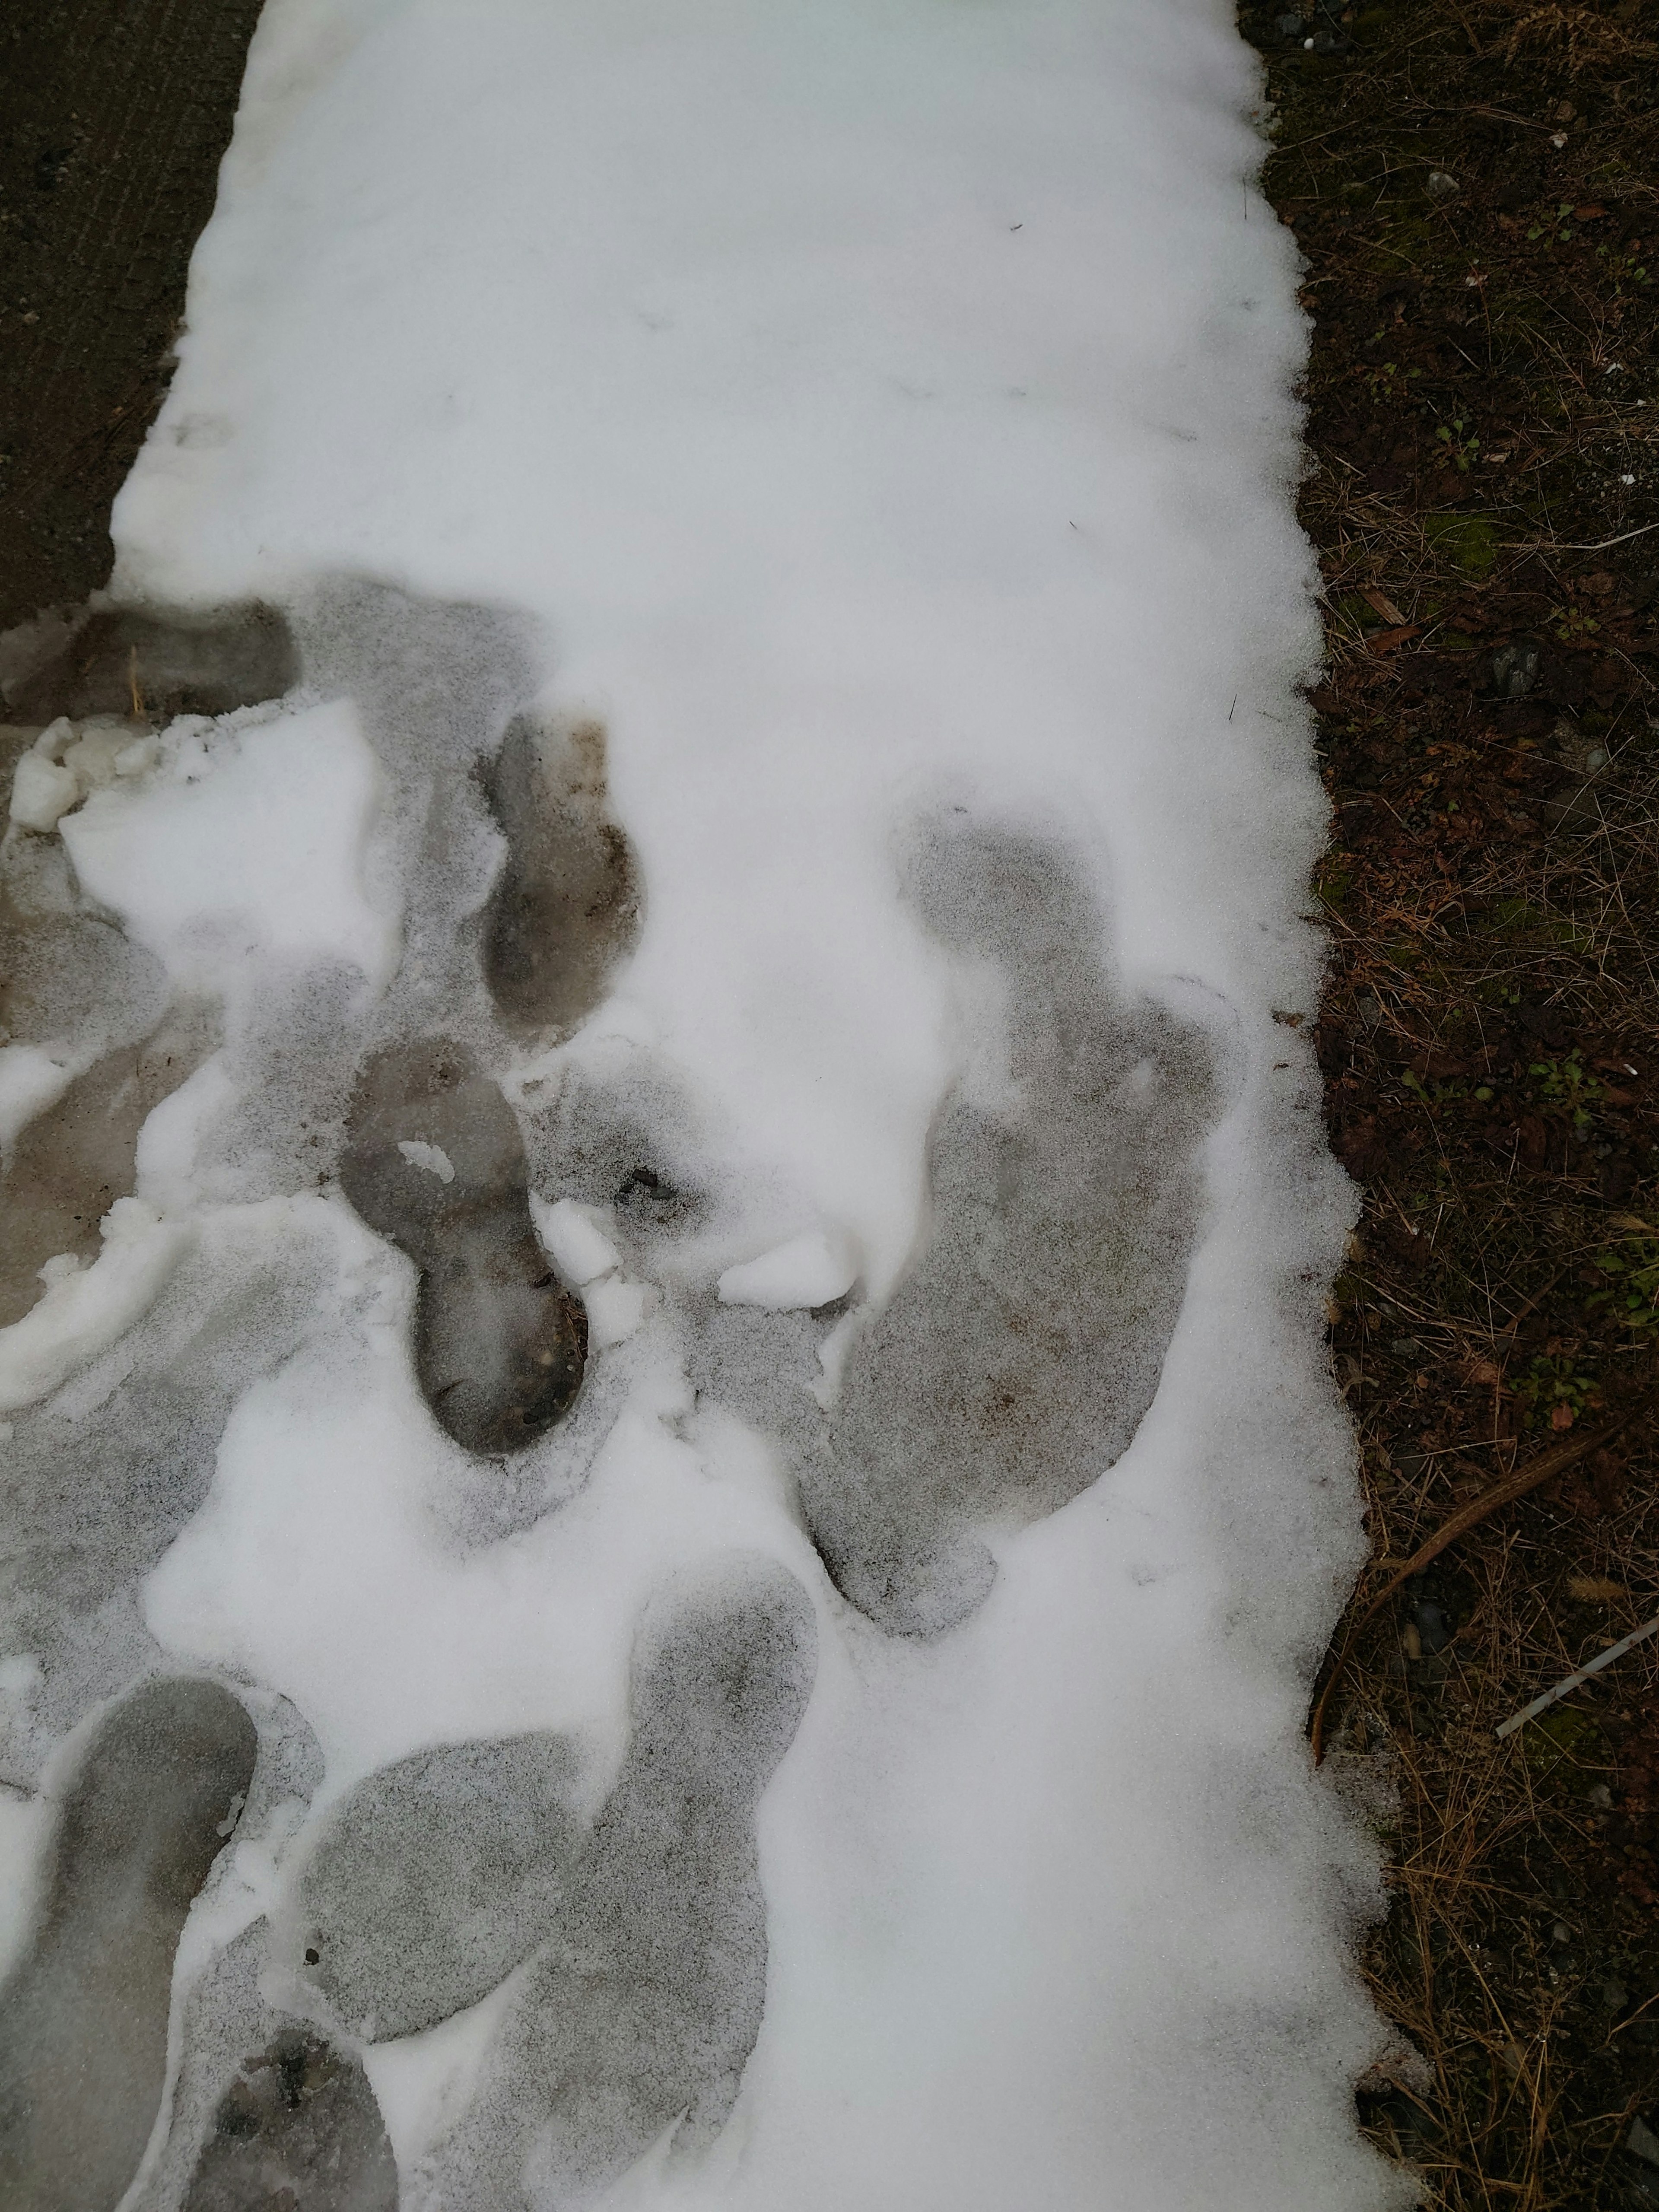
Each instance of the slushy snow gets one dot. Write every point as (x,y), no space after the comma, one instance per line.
(877,421)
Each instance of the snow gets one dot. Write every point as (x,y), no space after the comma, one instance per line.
(578,1245)
(812,1269)
(30,1079)
(85,1310)
(878,419)
(248,842)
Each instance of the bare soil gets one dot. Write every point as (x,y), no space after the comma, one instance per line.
(116,115)
(1473,185)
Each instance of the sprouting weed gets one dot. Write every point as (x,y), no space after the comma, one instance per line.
(1632,1297)
(1462,442)
(1565,1087)
(1387,381)
(1572,624)
(1553,1392)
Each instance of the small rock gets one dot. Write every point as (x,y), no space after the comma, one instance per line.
(1434,1631)
(1614,1995)
(1601,1798)
(1576,750)
(1441,185)
(1643,2141)
(1560,1933)
(1288,27)
(1515,669)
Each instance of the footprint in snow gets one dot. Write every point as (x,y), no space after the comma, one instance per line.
(1017,1356)
(84,2019)
(431,1880)
(643,1941)
(565,908)
(298,2129)
(434,1161)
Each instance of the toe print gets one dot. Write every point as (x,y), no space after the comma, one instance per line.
(1018,1357)
(84,2020)
(433,1161)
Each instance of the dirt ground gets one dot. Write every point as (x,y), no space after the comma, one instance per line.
(117,113)
(1474,187)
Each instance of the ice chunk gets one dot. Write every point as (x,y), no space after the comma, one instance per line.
(615,1310)
(267,840)
(85,1310)
(42,792)
(810,1270)
(579,1247)
(101,746)
(433,1158)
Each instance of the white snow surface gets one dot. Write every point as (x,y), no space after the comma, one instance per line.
(879,406)
(249,841)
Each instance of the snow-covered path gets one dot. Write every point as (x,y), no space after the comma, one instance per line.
(786,503)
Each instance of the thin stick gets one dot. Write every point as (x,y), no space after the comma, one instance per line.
(1565,1688)
(1551,545)
(1554,1461)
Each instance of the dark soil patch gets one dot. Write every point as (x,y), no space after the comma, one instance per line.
(118,112)
(1473,185)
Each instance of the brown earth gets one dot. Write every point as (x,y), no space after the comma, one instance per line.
(1473,185)
(116,115)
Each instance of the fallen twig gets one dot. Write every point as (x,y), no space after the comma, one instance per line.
(1565,1688)
(1554,1461)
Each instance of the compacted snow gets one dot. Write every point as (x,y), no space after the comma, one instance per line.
(713,1333)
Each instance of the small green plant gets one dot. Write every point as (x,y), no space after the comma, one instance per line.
(1432,1094)
(1460,442)
(1564,1087)
(1566,1745)
(1388,381)
(1571,625)
(1554,1393)
(1632,1297)
(1623,268)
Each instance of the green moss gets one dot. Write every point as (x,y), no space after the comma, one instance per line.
(1469,540)
(1566,1745)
